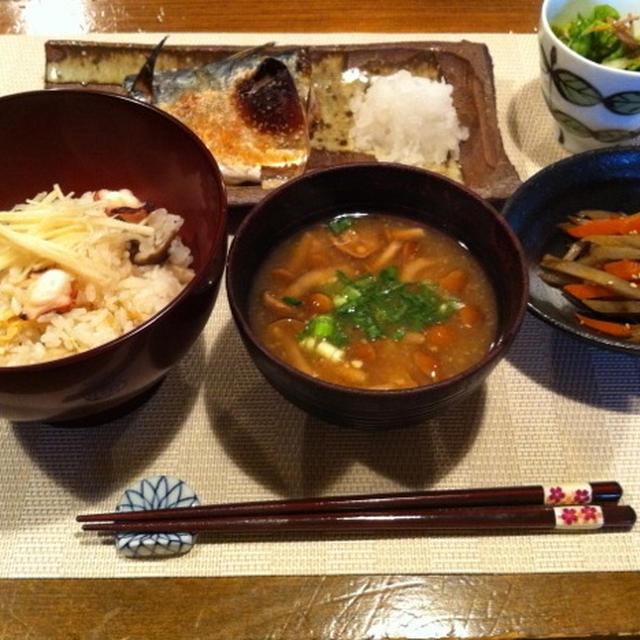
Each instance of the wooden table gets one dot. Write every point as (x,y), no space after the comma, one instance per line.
(70,16)
(349,606)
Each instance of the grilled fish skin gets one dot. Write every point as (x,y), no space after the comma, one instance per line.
(250,109)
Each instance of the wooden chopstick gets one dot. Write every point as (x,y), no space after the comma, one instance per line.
(584,493)
(527,518)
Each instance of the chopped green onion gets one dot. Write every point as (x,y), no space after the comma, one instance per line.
(340,224)
(389,273)
(325,327)
(294,302)
(380,306)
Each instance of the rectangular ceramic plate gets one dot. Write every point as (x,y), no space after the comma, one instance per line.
(467,66)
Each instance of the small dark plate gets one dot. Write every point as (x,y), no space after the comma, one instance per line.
(604,179)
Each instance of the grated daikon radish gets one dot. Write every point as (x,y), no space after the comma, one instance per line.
(409,119)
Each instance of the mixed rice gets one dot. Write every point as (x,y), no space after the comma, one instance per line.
(76,272)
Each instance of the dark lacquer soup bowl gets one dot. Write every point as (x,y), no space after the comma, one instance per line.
(86,141)
(377,188)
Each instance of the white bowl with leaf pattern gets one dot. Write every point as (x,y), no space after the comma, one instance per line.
(594,105)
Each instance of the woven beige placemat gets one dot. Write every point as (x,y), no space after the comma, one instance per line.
(554,410)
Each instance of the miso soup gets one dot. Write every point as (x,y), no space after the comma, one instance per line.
(374,301)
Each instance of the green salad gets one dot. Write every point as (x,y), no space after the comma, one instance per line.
(603,36)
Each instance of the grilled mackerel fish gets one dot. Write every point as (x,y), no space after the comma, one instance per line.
(250,110)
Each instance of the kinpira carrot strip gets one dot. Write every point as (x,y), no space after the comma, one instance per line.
(616,329)
(608,226)
(625,269)
(585,291)
(605,262)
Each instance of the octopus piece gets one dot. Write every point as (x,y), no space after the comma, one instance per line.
(52,290)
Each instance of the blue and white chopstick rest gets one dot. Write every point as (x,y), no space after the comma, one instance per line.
(156,492)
